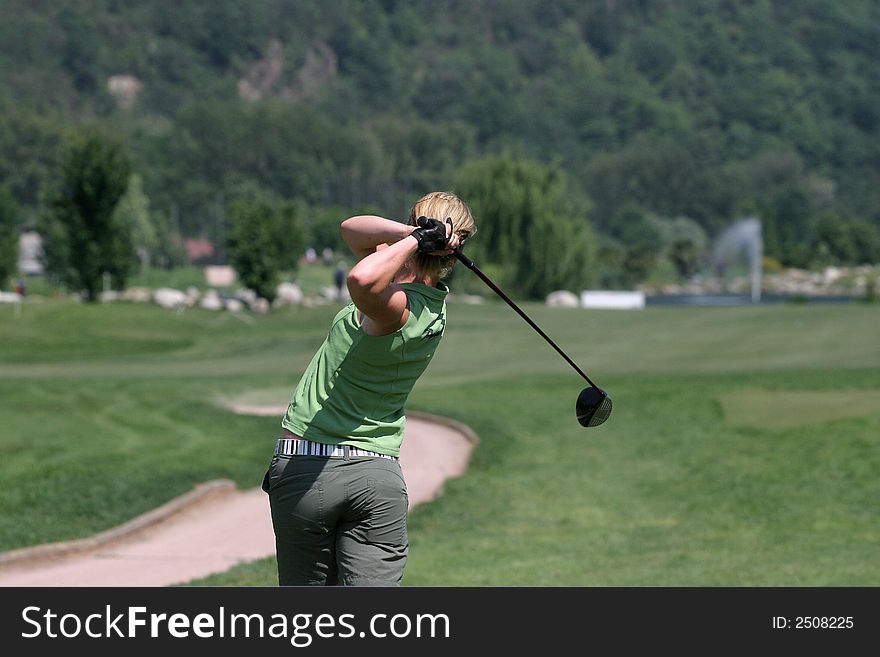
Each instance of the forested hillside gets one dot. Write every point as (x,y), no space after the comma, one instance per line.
(704,109)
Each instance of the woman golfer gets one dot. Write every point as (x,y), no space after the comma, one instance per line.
(335,486)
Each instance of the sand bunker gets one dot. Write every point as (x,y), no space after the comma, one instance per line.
(216,526)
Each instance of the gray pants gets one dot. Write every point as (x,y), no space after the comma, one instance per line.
(338,521)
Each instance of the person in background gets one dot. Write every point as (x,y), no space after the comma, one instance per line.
(339,279)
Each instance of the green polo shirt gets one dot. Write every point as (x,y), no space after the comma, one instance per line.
(354,389)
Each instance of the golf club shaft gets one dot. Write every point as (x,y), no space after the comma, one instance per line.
(467,262)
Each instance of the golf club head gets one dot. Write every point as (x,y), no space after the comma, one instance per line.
(593,407)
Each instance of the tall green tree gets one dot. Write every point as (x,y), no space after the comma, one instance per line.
(531,224)
(265,238)
(83,236)
(8,237)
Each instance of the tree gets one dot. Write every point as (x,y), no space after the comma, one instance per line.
(692,113)
(683,242)
(838,241)
(83,237)
(79,53)
(170,250)
(265,238)
(641,241)
(321,226)
(8,237)
(866,238)
(530,222)
(133,212)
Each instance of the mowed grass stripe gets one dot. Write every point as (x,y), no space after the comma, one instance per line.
(796,408)
(487,341)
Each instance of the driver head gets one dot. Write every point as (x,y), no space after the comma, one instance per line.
(593,407)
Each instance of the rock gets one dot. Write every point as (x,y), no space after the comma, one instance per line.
(471,299)
(329,292)
(831,275)
(563,299)
(211,301)
(246,296)
(137,294)
(234,305)
(10,297)
(288,294)
(169,298)
(260,306)
(109,296)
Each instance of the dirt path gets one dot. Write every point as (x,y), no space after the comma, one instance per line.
(216,527)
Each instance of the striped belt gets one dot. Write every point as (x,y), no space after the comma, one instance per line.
(303,447)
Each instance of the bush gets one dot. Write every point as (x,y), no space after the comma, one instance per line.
(265,238)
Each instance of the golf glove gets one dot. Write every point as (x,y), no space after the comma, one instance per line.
(431,234)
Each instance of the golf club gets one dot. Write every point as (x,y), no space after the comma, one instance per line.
(593,404)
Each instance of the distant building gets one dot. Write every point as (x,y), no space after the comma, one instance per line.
(197,250)
(30,253)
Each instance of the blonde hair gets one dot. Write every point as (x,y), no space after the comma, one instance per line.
(442,205)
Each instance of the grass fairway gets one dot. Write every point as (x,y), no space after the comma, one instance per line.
(743,448)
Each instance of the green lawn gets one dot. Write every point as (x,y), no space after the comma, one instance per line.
(743,449)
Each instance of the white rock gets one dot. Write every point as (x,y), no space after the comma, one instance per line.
(211,301)
(563,299)
(169,298)
(471,299)
(329,292)
(137,294)
(832,274)
(10,297)
(245,295)
(234,305)
(260,306)
(288,294)
(109,295)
